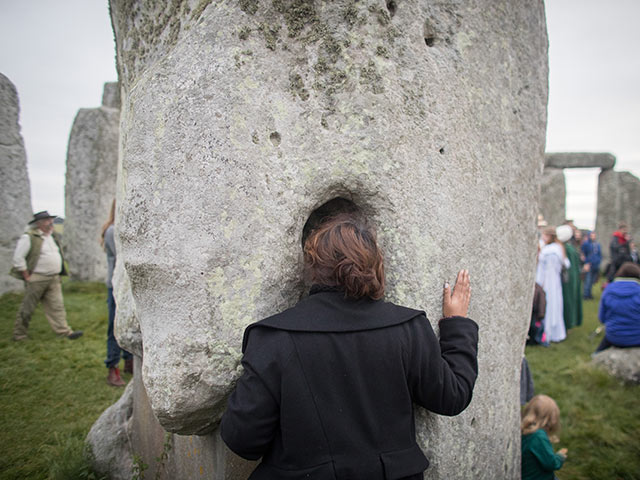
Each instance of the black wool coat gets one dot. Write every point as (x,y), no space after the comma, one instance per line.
(329,386)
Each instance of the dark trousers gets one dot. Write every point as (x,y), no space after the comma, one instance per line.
(113,349)
(604,344)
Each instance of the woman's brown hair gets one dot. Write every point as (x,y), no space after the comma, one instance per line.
(541,412)
(628,270)
(551,231)
(343,252)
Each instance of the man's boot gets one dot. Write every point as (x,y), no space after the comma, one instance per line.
(114,379)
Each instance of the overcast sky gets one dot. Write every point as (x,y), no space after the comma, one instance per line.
(59,54)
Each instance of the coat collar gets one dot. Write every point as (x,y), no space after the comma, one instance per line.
(327,311)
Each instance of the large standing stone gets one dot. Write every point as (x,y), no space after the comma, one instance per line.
(618,200)
(90,187)
(553,196)
(15,190)
(241,118)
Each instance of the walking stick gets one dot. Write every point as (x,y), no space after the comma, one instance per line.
(596,332)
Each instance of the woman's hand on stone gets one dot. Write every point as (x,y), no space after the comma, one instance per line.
(456,304)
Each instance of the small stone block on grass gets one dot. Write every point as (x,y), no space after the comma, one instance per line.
(622,363)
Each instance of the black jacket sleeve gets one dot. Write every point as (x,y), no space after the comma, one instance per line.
(441,375)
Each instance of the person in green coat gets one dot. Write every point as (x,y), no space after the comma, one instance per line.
(540,424)
(571,289)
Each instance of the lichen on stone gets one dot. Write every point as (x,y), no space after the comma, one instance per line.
(249,6)
(392,33)
(321,65)
(239,58)
(298,14)
(369,76)
(270,34)
(350,15)
(332,48)
(381,15)
(296,84)
(199,9)
(244,33)
(336,80)
(382,51)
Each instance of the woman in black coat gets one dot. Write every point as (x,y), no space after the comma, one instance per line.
(329,386)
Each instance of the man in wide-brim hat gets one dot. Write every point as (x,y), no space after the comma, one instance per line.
(39,262)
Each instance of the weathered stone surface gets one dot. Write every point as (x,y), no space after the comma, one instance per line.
(15,190)
(127,327)
(553,194)
(579,160)
(241,118)
(618,200)
(185,457)
(111,95)
(622,363)
(108,439)
(92,159)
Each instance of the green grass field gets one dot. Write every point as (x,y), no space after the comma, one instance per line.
(53,390)
(600,416)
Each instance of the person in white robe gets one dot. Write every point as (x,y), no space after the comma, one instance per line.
(549,277)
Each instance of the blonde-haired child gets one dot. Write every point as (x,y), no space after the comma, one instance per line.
(540,424)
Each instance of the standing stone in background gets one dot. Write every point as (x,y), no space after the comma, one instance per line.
(90,187)
(241,118)
(618,200)
(15,191)
(553,196)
